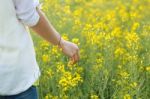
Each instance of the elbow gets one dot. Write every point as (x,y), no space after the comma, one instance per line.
(29,19)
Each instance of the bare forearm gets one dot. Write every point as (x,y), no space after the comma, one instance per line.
(46,30)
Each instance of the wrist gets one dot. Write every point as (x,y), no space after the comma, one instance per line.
(61,42)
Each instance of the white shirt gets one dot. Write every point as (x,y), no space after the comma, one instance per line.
(18,66)
(26,11)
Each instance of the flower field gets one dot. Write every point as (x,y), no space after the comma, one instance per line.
(113,37)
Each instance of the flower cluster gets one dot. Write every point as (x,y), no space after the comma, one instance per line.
(113,37)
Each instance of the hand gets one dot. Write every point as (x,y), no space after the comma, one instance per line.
(70,49)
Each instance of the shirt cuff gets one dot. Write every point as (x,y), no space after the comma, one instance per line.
(35,17)
(36,3)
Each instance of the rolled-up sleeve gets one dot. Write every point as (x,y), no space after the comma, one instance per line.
(26,11)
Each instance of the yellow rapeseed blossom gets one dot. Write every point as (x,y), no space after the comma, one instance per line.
(94,97)
(124,74)
(65,37)
(148,68)
(119,52)
(114,38)
(134,85)
(69,80)
(45,58)
(50,73)
(76,41)
(127,96)
(132,37)
(135,26)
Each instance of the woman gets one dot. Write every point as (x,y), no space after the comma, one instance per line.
(18,67)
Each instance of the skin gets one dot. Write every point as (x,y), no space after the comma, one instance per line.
(45,29)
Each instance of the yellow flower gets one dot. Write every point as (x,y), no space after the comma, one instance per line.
(65,36)
(133,85)
(135,26)
(124,74)
(49,72)
(116,32)
(94,97)
(77,22)
(44,44)
(48,96)
(77,12)
(60,67)
(148,68)
(67,9)
(119,52)
(76,41)
(132,40)
(132,37)
(69,80)
(45,58)
(116,29)
(127,96)
(55,50)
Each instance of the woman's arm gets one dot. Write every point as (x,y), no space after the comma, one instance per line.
(48,32)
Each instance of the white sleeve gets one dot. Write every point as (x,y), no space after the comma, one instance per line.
(26,11)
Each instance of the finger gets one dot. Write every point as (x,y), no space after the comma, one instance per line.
(72,59)
(78,54)
(78,57)
(75,58)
